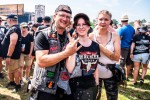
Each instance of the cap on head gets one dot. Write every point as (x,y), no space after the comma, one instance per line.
(81,15)
(23,24)
(124,18)
(39,19)
(47,19)
(12,16)
(64,8)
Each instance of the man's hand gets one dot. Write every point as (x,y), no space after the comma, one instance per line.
(7,60)
(74,35)
(71,47)
(29,56)
(22,49)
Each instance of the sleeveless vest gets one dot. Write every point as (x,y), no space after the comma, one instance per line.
(46,79)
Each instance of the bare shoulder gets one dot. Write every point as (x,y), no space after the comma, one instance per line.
(115,35)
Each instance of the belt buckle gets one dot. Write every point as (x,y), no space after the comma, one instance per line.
(78,83)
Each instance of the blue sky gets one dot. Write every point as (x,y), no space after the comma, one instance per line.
(135,9)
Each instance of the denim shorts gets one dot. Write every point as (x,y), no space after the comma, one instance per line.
(125,57)
(143,58)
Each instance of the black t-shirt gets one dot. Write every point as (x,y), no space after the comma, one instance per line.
(41,42)
(26,42)
(142,43)
(43,27)
(89,57)
(6,42)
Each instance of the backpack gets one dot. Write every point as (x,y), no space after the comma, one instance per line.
(118,73)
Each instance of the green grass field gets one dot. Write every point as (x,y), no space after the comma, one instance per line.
(129,93)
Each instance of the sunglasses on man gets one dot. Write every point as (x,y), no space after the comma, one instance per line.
(25,27)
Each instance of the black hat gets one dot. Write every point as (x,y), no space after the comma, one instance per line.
(39,19)
(64,8)
(12,16)
(81,15)
(142,29)
(47,19)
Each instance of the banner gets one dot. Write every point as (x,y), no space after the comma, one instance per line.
(17,9)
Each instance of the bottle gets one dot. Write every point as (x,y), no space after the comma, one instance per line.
(29,87)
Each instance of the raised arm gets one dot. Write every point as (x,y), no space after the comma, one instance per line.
(70,63)
(112,55)
(45,59)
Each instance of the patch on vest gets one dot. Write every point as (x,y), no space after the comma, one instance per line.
(64,76)
(50,84)
(50,74)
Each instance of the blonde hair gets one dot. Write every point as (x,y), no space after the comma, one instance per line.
(105,12)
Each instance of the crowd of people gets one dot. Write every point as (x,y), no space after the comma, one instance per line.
(72,60)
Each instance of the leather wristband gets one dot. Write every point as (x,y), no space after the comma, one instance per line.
(8,56)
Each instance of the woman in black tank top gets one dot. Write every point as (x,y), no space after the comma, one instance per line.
(82,65)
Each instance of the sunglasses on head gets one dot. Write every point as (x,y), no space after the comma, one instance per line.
(25,27)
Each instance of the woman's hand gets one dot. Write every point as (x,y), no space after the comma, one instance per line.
(131,55)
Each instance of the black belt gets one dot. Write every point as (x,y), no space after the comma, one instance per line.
(101,64)
(82,82)
(108,66)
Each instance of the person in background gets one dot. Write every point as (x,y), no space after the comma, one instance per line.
(46,23)
(148,29)
(140,53)
(86,58)
(30,25)
(111,28)
(137,24)
(26,52)
(50,55)
(109,43)
(114,26)
(34,29)
(2,34)
(11,46)
(39,21)
(126,33)
(70,28)
(148,33)
(119,26)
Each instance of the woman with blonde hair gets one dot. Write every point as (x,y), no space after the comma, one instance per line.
(110,53)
